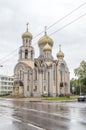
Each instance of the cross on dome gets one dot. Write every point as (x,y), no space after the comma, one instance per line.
(59,47)
(27,27)
(27,34)
(45,30)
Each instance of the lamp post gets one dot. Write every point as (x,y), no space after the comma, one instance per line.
(80,86)
(1,65)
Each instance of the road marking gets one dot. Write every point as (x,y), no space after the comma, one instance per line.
(9,117)
(35,126)
(57,114)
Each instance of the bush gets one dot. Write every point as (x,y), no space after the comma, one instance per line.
(68,95)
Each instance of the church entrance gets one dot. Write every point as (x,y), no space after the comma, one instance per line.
(18,87)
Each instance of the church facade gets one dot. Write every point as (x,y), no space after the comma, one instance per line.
(42,76)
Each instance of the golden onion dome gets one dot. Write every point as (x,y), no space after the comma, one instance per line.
(60,53)
(47,47)
(27,34)
(45,39)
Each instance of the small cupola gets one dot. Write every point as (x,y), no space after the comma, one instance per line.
(60,53)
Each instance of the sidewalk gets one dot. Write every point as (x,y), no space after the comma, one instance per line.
(39,99)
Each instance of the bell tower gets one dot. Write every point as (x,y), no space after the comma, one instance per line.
(45,44)
(26,51)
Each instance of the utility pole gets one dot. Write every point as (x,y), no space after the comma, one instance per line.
(1,65)
(80,86)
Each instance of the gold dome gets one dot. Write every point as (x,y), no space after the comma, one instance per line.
(60,53)
(47,47)
(45,39)
(27,35)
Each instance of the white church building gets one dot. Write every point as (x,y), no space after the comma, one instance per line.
(42,76)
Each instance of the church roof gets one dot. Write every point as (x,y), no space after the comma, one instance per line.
(47,47)
(60,53)
(48,63)
(27,34)
(45,39)
(29,63)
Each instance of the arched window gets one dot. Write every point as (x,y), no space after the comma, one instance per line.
(35,88)
(35,77)
(44,88)
(26,40)
(26,54)
(27,88)
(44,75)
(23,75)
(20,74)
(62,70)
(31,54)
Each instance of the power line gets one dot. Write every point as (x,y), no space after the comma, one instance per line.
(68,24)
(55,24)
(9,54)
(61,28)
(62,18)
(8,58)
(67,15)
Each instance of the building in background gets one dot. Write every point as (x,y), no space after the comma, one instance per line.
(6,84)
(43,75)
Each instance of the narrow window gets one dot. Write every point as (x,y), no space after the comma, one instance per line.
(44,88)
(26,40)
(44,75)
(26,54)
(35,89)
(27,88)
(31,54)
(20,74)
(35,74)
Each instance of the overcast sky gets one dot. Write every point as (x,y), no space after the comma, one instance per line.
(14,14)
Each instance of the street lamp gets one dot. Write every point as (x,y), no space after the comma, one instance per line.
(79,86)
(1,65)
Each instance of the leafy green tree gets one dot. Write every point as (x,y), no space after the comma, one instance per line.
(74,82)
(80,72)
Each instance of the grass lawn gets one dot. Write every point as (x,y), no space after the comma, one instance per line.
(60,98)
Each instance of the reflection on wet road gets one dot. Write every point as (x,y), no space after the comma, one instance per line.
(25,115)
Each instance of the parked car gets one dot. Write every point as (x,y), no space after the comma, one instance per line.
(82,97)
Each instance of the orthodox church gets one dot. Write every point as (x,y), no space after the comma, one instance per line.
(42,76)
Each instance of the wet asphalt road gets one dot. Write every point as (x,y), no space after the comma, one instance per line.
(25,115)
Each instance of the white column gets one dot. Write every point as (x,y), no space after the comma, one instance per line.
(25,83)
(40,83)
(51,82)
(58,81)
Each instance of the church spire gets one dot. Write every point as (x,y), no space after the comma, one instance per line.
(45,30)
(27,27)
(27,34)
(59,47)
